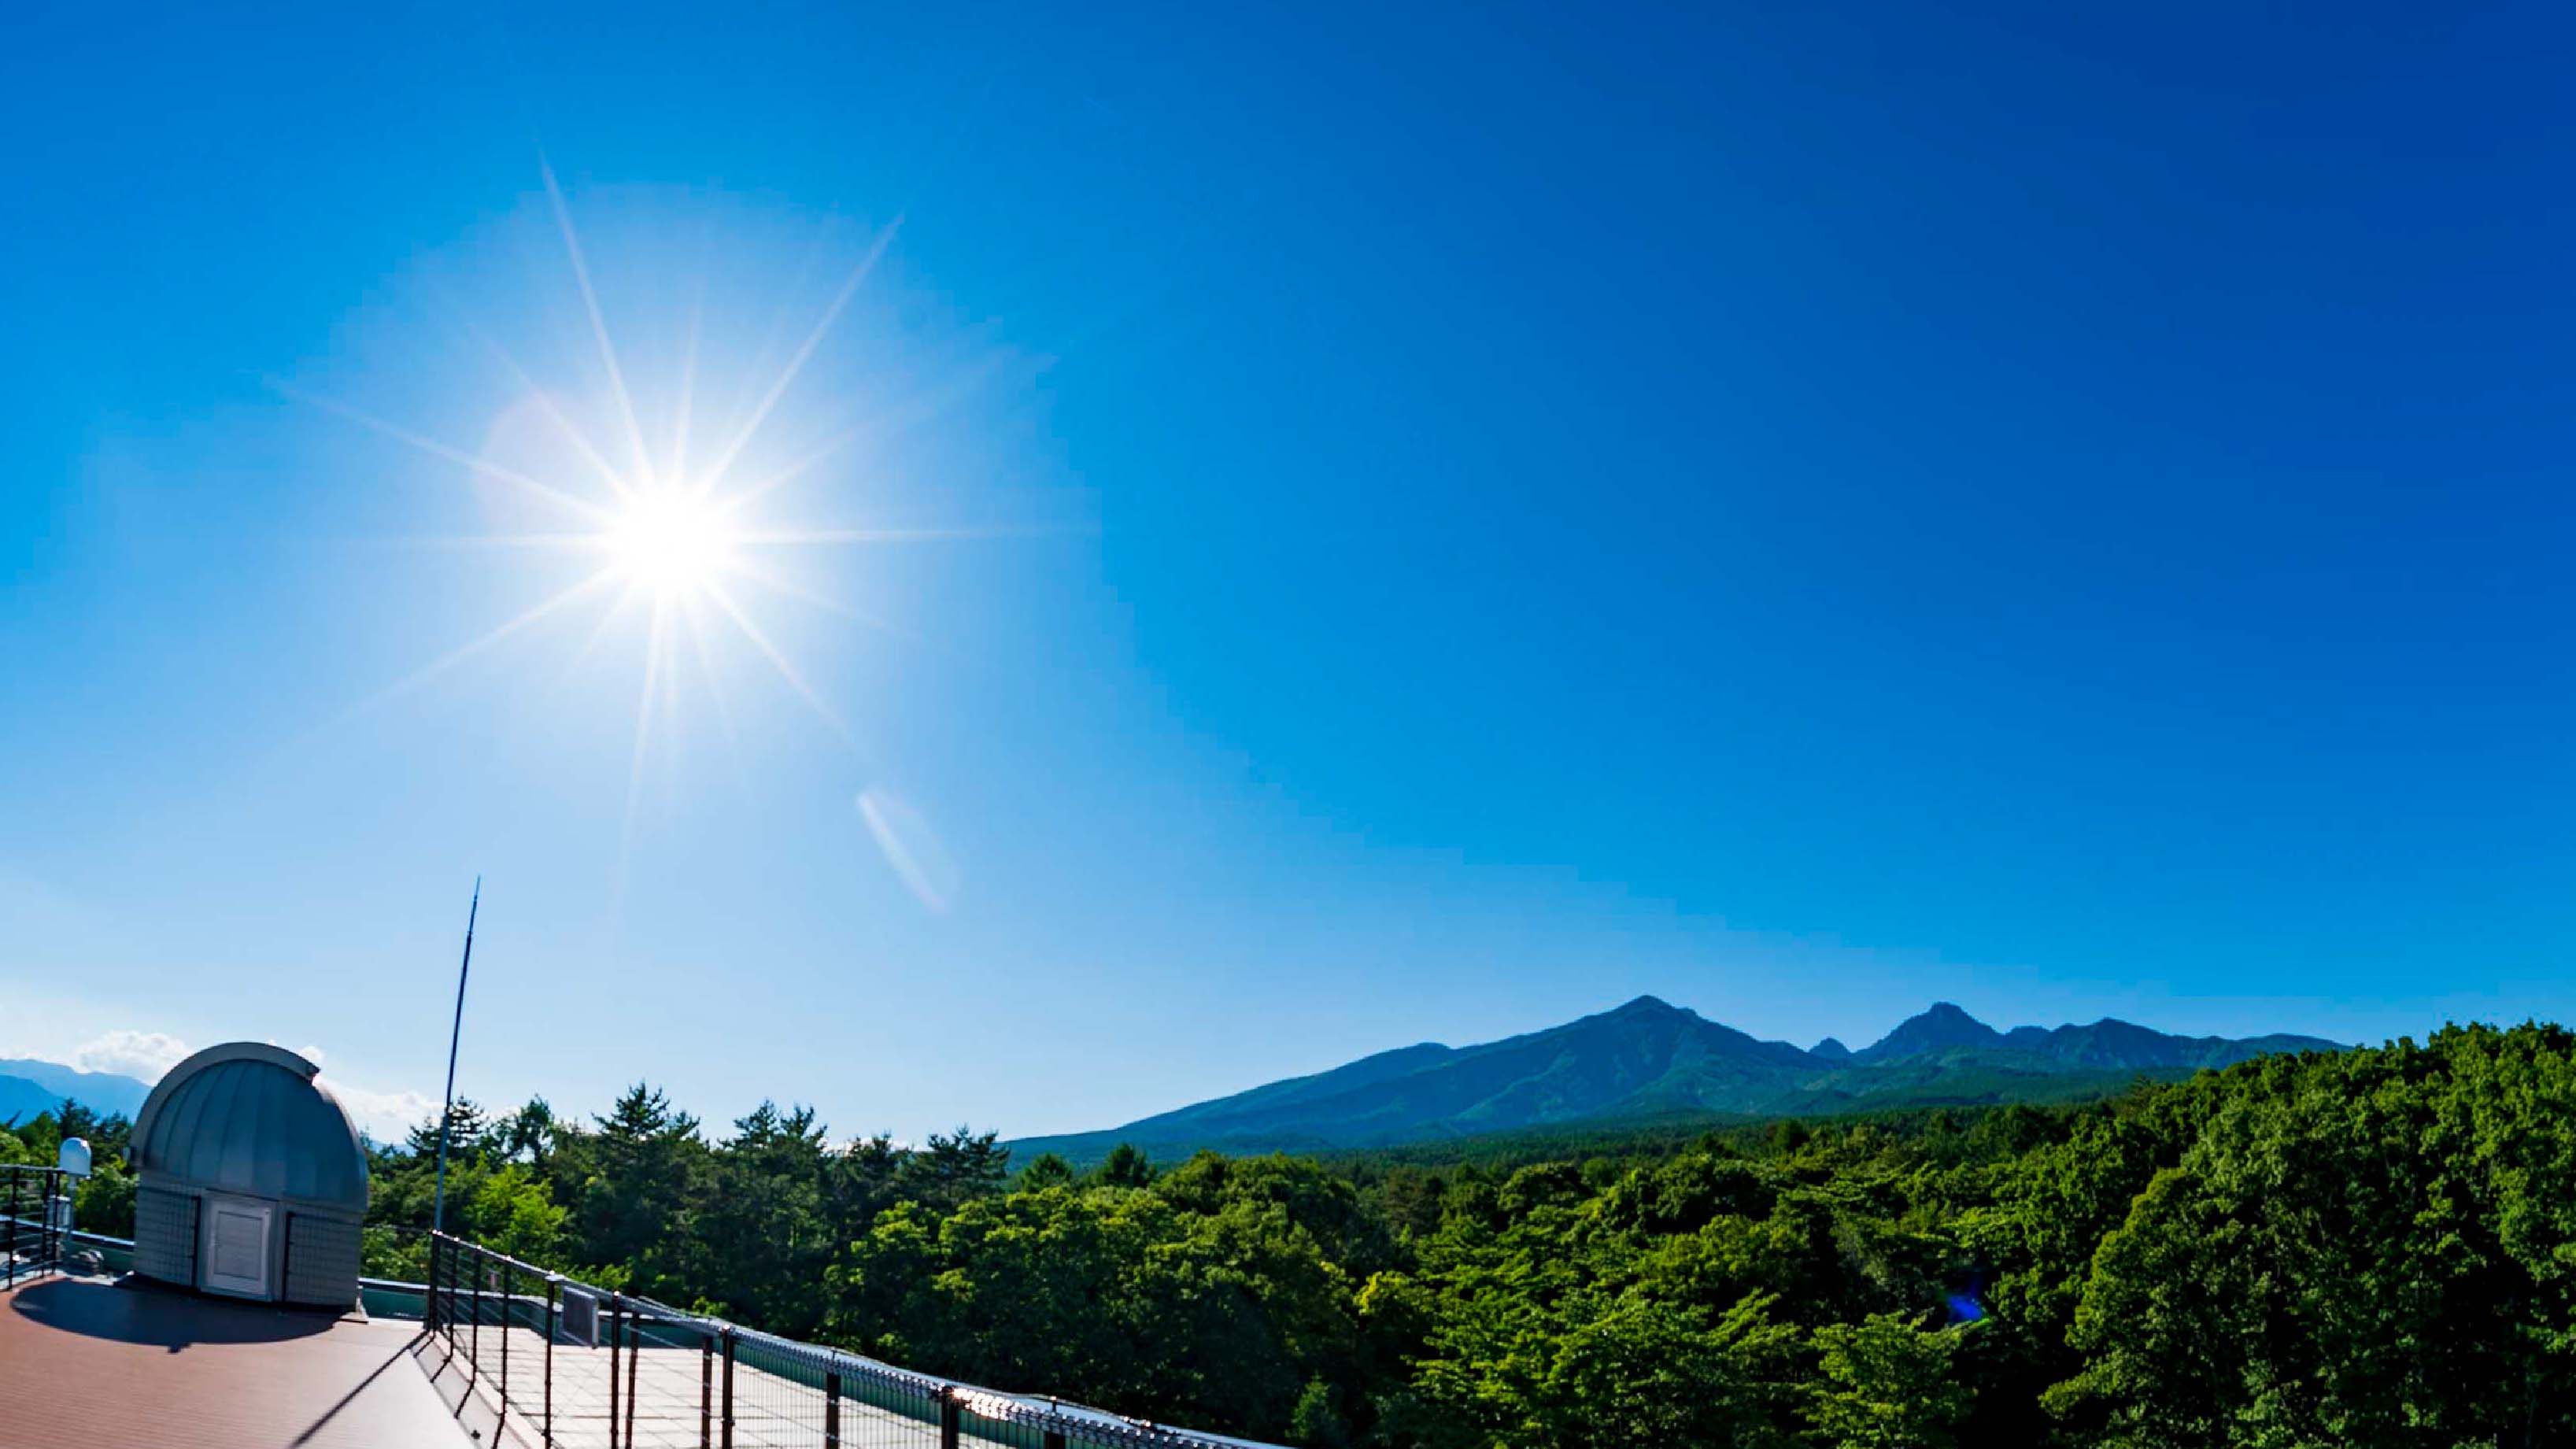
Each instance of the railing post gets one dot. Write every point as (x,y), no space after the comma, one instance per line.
(429,1289)
(554,1288)
(612,1371)
(706,1391)
(634,1356)
(831,1410)
(728,1388)
(13,1230)
(509,1292)
(948,1417)
(474,1335)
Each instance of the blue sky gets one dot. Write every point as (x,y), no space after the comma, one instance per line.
(1447,519)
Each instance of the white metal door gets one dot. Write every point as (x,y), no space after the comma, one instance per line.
(236,1247)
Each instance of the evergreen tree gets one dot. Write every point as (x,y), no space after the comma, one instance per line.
(466,1130)
(526,1135)
(1125,1166)
(954,1168)
(765,1235)
(1047,1170)
(638,1207)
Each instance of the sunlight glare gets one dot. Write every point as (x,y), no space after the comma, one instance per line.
(617,462)
(671,543)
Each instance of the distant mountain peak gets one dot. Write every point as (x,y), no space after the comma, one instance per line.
(1940,1027)
(1830,1050)
(1648,1006)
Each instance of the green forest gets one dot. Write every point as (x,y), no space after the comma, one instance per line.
(2375,1247)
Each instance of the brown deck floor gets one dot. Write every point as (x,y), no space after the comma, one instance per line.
(87,1364)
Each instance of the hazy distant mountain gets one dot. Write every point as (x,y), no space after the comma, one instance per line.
(21,1099)
(24,1080)
(1649,1059)
(2108,1043)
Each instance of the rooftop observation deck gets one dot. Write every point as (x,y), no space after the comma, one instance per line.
(94,1361)
(490,1351)
(88,1362)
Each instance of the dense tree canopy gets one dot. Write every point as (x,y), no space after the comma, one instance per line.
(2368,1248)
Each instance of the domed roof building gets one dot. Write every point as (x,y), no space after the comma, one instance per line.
(250,1179)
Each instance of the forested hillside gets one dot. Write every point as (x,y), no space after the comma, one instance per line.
(2363,1248)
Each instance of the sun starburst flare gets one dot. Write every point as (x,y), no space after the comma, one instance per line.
(675,538)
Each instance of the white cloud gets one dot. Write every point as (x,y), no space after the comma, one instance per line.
(384,1116)
(143,1055)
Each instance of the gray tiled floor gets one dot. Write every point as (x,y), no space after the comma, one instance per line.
(675,1401)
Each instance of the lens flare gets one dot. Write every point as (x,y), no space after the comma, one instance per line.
(915,853)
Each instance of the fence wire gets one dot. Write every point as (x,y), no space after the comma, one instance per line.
(584,1368)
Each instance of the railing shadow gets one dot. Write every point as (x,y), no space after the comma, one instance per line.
(351,1397)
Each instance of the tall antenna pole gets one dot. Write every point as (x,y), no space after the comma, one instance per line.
(438,1199)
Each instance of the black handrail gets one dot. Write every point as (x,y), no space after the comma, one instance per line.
(40,1189)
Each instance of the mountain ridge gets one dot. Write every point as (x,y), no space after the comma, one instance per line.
(1648,1058)
(29,1085)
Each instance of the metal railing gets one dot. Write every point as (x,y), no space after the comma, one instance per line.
(587,1368)
(35,1222)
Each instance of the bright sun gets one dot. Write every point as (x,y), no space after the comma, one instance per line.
(671,543)
(659,524)
(689,533)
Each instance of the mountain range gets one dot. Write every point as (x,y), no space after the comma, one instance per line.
(28,1086)
(1651,1060)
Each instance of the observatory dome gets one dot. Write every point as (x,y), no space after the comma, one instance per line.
(249,1118)
(249,1179)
